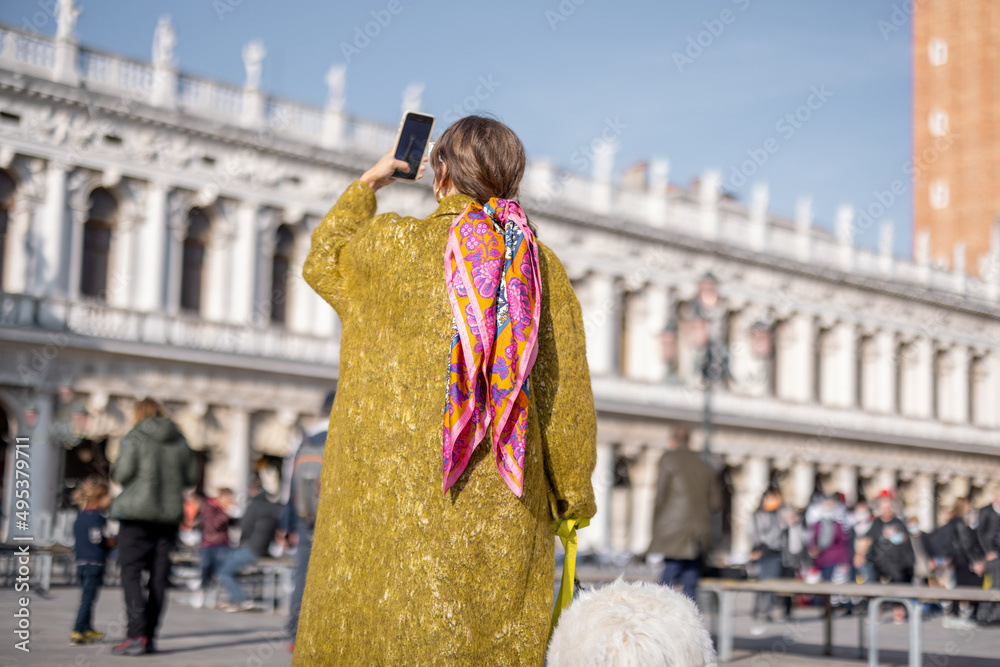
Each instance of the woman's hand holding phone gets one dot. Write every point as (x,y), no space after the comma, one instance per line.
(380,175)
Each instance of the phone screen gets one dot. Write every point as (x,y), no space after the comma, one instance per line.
(412,143)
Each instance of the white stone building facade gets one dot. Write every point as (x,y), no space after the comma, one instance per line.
(155,224)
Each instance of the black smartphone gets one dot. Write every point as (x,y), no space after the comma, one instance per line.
(411,142)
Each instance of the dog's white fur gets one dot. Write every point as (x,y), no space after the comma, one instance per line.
(631,625)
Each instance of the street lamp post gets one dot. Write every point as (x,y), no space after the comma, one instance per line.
(699,320)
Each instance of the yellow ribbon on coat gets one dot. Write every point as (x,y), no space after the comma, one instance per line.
(566,530)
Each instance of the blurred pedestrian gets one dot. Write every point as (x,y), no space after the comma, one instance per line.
(432,545)
(687,493)
(921,555)
(887,548)
(829,545)
(91,546)
(957,542)
(216,518)
(859,522)
(988,534)
(769,531)
(154,467)
(298,520)
(257,530)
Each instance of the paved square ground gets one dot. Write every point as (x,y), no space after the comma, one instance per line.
(214,638)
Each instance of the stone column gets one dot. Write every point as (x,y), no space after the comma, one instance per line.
(795,349)
(952,488)
(916,377)
(953,385)
(218,279)
(803,483)
(838,365)
(237,463)
(77,220)
(750,373)
(597,536)
(643,475)
(152,250)
(245,269)
(884,479)
(18,230)
(300,298)
(122,278)
(645,313)
(48,238)
(750,482)
(177,224)
(43,471)
(923,492)
(601,311)
(620,506)
(845,480)
(325,322)
(657,315)
(878,372)
(986,390)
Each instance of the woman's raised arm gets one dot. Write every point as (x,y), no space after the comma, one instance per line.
(325,269)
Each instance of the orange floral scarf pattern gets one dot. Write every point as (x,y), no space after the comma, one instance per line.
(494,286)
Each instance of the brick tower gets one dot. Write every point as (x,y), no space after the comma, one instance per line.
(956,129)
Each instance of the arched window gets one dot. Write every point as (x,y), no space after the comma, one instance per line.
(7,187)
(280,263)
(97,244)
(193,260)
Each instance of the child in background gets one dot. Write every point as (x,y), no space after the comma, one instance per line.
(91,549)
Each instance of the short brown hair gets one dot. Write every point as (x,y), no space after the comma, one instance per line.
(89,490)
(147,408)
(485,158)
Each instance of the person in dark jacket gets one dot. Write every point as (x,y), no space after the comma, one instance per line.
(257,530)
(154,466)
(988,534)
(298,520)
(887,548)
(957,542)
(687,493)
(769,530)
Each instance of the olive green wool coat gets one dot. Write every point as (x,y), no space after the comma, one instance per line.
(402,573)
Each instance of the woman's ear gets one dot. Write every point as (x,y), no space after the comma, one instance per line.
(440,175)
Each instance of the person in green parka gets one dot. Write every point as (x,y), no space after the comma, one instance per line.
(464,426)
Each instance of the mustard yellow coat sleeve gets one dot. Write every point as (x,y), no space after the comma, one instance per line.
(336,264)
(565,400)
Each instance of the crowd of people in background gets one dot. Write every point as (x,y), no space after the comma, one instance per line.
(829,541)
(159,509)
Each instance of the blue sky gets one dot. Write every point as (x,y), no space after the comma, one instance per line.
(561,70)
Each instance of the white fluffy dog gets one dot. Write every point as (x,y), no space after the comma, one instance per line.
(631,625)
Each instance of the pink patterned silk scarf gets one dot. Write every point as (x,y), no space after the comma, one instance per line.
(494,285)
